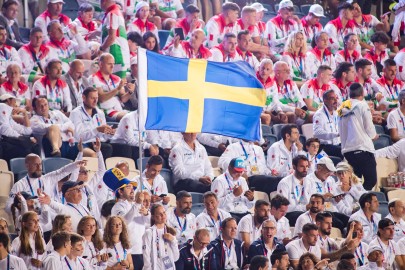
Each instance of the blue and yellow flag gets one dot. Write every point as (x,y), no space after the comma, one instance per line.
(195,95)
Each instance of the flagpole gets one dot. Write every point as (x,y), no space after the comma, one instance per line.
(139,128)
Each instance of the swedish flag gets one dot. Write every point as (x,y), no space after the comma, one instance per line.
(195,95)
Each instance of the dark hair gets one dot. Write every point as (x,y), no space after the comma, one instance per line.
(322,215)
(106,208)
(366,198)
(190,9)
(243,33)
(229,35)
(279,201)
(155,160)
(347,256)
(309,227)
(306,255)
(75,238)
(8,3)
(59,239)
(150,35)
(287,129)
(344,5)
(362,63)
(318,196)
(385,222)
(312,140)
(35,30)
(259,203)
(277,255)
(210,194)
(323,68)
(345,265)
(5,240)
(135,37)
(225,222)
(389,63)
(35,99)
(88,90)
(326,94)
(51,63)
(342,67)
(356,90)
(297,159)
(230,6)
(182,194)
(347,37)
(86,7)
(380,37)
(258,261)
(349,224)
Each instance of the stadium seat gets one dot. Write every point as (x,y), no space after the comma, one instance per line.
(385,166)
(196,209)
(335,160)
(163,36)
(397,193)
(25,34)
(307,130)
(214,161)
(52,164)
(270,139)
(17,165)
(70,9)
(112,161)
(305,9)
(172,202)
(266,130)
(277,130)
(197,197)
(259,195)
(380,196)
(303,140)
(324,20)
(335,233)
(383,209)
(296,8)
(7,181)
(18,176)
(268,16)
(92,164)
(133,174)
(3,166)
(167,175)
(382,141)
(379,129)
(138,163)
(268,7)
(217,171)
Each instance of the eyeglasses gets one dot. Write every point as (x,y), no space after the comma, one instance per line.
(201,243)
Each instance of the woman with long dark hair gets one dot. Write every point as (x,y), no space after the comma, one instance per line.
(150,42)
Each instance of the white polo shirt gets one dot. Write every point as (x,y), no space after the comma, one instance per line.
(390,251)
(185,227)
(301,221)
(399,228)
(296,248)
(203,220)
(396,119)
(246,225)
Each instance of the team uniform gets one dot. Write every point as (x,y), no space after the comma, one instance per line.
(390,251)
(142,27)
(296,248)
(377,60)
(311,90)
(22,93)
(303,219)
(400,60)
(58,96)
(216,29)
(342,91)
(315,59)
(310,30)
(8,55)
(44,19)
(366,28)
(184,50)
(297,194)
(370,227)
(277,32)
(34,64)
(279,158)
(390,91)
(287,96)
(249,58)
(299,66)
(344,56)
(8,127)
(247,225)
(219,55)
(371,88)
(185,227)
(13,262)
(203,220)
(336,33)
(396,120)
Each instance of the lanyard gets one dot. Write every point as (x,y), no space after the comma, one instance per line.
(108,85)
(118,256)
(319,187)
(299,64)
(264,247)
(182,228)
(158,244)
(4,53)
(327,243)
(229,183)
(71,205)
(98,120)
(8,261)
(89,202)
(361,260)
(196,262)
(402,120)
(29,183)
(391,93)
(246,154)
(88,116)
(329,121)
(228,251)
(390,249)
(213,221)
(297,193)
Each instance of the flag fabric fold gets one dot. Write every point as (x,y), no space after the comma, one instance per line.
(196,95)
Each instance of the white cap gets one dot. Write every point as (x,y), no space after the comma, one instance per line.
(4,97)
(317,10)
(259,7)
(285,4)
(140,5)
(55,1)
(374,248)
(328,163)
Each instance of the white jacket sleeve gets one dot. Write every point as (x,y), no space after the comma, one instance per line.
(333,38)
(147,249)
(212,30)
(207,139)
(224,197)
(273,156)
(368,122)
(176,163)
(119,210)
(226,157)
(392,151)
(319,130)
(271,35)
(83,130)
(400,60)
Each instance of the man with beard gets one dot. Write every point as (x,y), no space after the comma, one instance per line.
(395,120)
(279,260)
(181,219)
(325,125)
(35,181)
(296,189)
(317,204)
(249,227)
(324,223)
(76,82)
(267,242)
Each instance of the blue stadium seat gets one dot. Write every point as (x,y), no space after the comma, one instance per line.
(168,176)
(305,9)
(52,164)
(383,209)
(296,8)
(70,9)
(20,175)
(270,139)
(17,165)
(303,140)
(380,196)
(144,161)
(269,7)
(25,34)
(266,130)
(324,20)
(163,35)
(196,209)
(382,141)
(277,130)
(335,160)
(379,129)
(197,197)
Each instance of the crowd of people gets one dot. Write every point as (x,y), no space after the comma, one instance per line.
(71,92)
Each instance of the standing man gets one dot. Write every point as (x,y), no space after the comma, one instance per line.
(114,36)
(357,133)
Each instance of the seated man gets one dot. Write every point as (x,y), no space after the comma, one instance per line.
(396,118)
(218,25)
(310,23)
(281,153)
(313,89)
(192,170)
(215,144)
(76,82)
(279,205)
(85,24)
(54,129)
(226,51)
(375,259)
(312,146)
(400,60)
(396,215)
(8,54)
(378,53)
(192,48)
(212,215)
(112,90)
(16,138)
(53,87)
(242,49)
(317,205)
(344,76)
(232,190)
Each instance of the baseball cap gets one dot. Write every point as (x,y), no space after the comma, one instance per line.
(238,164)
(328,163)
(7,96)
(259,7)
(343,166)
(70,184)
(115,179)
(55,1)
(285,4)
(317,10)
(26,195)
(140,5)
(374,248)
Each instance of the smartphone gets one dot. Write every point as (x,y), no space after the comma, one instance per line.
(252,189)
(305,108)
(354,235)
(343,194)
(274,113)
(162,195)
(179,31)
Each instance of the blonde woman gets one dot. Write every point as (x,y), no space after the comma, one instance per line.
(61,223)
(295,55)
(351,186)
(160,243)
(29,246)
(117,243)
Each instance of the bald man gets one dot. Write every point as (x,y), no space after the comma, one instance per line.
(192,48)
(76,82)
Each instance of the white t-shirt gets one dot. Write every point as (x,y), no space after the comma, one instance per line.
(296,248)
(396,119)
(301,221)
(390,251)
(15,263)
(246,224)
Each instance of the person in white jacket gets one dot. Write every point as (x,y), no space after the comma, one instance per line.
(395,151)
(191,167)
(62,245)
(7,259)
(281,153)
(74,259)
(400,60)
(357,133)
(160,250)
(215,144)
